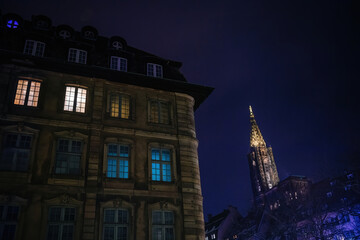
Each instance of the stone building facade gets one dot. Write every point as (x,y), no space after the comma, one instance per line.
(97,138)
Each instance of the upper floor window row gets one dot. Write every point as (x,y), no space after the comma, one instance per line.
(37,48)
(75,99)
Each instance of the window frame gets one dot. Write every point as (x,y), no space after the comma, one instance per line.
(125,183)
(36,45)
(17,149)
(154,72)
(163,226)
(73,180)
(120,60)
(77,55)
(61,222)
(118,158)
(75,99)
(166,206)
(120,97)
(173,174)
(11,222)
(69,155)
(117,203)
(14,201)
(160,118)
(115,224)
(26,92)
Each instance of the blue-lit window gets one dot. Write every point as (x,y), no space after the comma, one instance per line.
(118,63)
(12,24)
(16,152)
(160,165)
(118,157)
(154,70)
(61,223)
(116,224)
(163,225)
(8,221)
(68,157)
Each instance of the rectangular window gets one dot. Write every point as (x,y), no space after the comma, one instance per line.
(61,223)
(116,224)
(27,93)
(154,70)
(68,157)
(8,221)
(160,165)
(34,48)
(163,225)
(120,106)
(16,152)
(118,63)
(159,112)
(75,99)
(118,161)
(77,56)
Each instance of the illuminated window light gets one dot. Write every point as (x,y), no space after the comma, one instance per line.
(75,99)
(12,24)
(27,93)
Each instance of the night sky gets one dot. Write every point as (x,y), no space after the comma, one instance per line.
(295,62)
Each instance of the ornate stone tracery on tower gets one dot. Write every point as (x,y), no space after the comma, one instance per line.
(263,172)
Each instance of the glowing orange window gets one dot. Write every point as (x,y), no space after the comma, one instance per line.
(27,93)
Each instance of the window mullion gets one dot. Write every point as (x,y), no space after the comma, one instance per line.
(75,99)
(120,110)
(34,48)
(27,93)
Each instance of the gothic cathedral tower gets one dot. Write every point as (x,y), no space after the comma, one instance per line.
(262,166)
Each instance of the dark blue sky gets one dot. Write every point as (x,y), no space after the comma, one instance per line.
(296,63)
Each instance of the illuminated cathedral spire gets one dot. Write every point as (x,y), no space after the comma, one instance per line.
(263,172)
(256,139)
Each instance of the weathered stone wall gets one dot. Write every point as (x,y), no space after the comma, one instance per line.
(91,191)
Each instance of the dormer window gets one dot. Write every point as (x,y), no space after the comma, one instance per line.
(41,24)
(350,176)
(77,56)
(89,35)
(12,24)
(117,45)
(154,70)
(118,63)
(64,34)
(34,48)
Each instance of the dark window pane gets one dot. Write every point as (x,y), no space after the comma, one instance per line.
(54,214)
(11,140)
(69,214)
(109,216)
(169,233)
(109,233)
(53,232)
(157,217)
(9,232)
(12,213)
(67,232)
(169,218)
(122,233)
(122,216)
